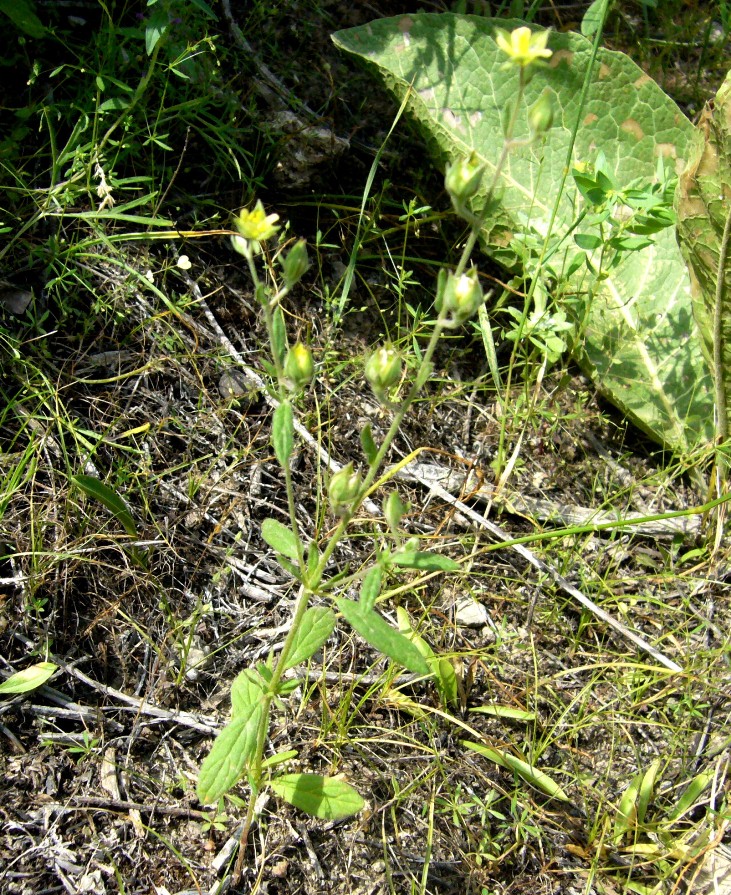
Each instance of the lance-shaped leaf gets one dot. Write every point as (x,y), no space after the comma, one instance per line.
(95,488)
(375,630)
(316,626)
(28,679)
(528,772)
(704,216)
(235,745)
(639,343)
(328,798)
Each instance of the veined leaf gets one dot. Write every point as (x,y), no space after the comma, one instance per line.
(316,626)
(529,773)
(109,498)
(246,690)
(639,342)
(235,745)
(280,538)
(375,630)
(328,798)
(28,679)
(704,216)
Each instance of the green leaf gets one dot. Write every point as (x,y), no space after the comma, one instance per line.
(626,818)
(246,690)
(157,24)
(93,487)
(368,444)
(325,797)
(280,538)
(29,679)
(426,562)
(375,630)
(647,789)
(638,343)
(504,711)
(22,14)
(235,745)
(692,794)
(283,433)
(594,17)
(279,335)
(704,214)
(316,626)
(538,779)
(371,588)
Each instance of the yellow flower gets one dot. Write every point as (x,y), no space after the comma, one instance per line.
(523,46)
(256,225)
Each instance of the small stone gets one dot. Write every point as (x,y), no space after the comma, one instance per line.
(468,613)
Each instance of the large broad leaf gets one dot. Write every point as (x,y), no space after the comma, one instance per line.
(704,206)
(640,344)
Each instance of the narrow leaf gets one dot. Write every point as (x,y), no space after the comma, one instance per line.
(280,538)
(426,562)
(692,794)
(29,678)
(647,789)
(368,444)
(328,798)
(626,818)
(376,631)
(279,335)
(93,487)
(316,626)
(232,750)
(538,779)
(283,433)
(504,711)
(371,588)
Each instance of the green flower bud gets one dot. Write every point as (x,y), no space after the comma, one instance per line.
(343,489)
(383,370)
(295,264)
(540,114)
(459,296)
(299,367)
(463,178)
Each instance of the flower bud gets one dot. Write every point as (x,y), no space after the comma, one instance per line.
(383,370)
(540,114)
(459,296)
(295,263)
(393,509)
(299,367)
(463,178)
(343,489)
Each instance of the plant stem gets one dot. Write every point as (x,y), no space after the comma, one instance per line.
(719,373)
